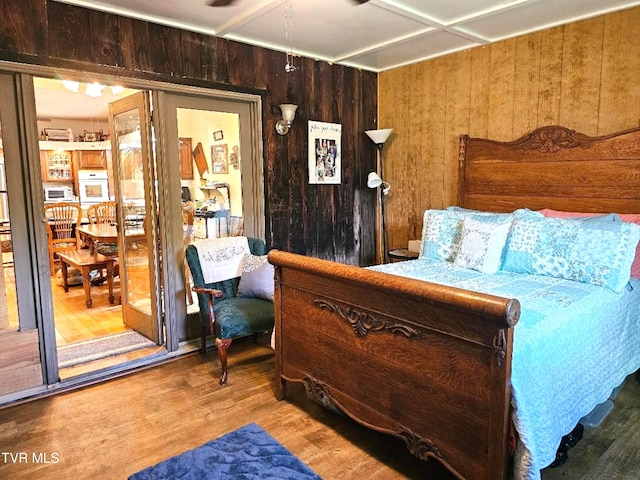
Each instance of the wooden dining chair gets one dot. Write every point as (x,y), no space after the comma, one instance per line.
(62,219)
(104,212)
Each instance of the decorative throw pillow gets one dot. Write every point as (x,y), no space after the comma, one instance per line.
(481,245)
(598,253)
(441,231)
(633,218)
(257,279)
(622,217)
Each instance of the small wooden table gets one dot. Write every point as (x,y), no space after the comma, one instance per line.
(85,261)
(402,254)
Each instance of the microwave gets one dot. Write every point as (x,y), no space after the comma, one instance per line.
(58,194)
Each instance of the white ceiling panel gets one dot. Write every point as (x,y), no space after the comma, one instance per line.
(376,36)
(534,16)
(447,11)
(430,45)
(315,36)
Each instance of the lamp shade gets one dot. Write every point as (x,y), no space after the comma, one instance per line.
(373,180)
(288,112)
(379,136)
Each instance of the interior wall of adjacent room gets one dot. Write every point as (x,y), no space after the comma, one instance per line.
(199,125)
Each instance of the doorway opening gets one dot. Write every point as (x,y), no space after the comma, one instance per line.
(79,174)
(162,200)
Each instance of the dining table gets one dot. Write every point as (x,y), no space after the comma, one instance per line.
(107,233)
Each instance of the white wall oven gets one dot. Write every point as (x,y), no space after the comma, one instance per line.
(93,186)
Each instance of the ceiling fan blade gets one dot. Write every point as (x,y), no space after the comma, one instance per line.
(361,1)
(220,3)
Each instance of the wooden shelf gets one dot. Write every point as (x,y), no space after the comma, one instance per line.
(51,145)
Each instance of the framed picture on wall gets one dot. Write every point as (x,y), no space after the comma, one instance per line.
(234,160)
(219,159)
(325,162)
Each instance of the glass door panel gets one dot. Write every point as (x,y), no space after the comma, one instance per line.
(136,199)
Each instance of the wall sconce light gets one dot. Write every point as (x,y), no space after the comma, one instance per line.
(374,180)
(288,114)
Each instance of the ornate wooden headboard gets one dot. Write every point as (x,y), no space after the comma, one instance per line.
(552,167)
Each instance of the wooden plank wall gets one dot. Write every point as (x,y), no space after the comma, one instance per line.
(325,221)
(584,76)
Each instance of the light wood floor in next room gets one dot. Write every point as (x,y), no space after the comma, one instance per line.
(113,429)
(73,320)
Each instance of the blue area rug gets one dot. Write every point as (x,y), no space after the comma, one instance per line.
(248,453)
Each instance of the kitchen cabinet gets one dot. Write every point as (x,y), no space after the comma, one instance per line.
(57,165)
(60,160)
(92,159)
(186,159)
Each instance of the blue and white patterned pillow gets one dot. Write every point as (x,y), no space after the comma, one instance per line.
(598,253)
(441,230)
(481,245)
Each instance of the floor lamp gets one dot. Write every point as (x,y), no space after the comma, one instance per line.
(375,180)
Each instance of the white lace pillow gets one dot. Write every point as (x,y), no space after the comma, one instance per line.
(481,245)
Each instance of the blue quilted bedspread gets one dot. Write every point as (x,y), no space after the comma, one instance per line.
(573,345)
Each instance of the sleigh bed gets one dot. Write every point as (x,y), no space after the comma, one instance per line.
(464,365)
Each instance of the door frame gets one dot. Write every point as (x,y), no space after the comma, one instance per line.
(249,108)
(19,126)
(34,203)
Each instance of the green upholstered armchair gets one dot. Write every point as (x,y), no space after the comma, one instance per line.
(225,314)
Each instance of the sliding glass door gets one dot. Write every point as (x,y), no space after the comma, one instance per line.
(203,148)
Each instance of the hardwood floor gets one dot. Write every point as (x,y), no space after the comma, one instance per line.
(113,429)
(121,426)
(612,450)
(74,321)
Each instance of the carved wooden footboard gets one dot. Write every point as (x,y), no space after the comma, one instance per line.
(424,362)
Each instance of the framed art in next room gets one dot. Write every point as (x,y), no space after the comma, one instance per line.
(220,159)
